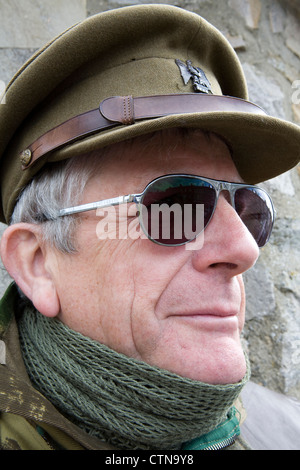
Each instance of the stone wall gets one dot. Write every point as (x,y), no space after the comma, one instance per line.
(266,36)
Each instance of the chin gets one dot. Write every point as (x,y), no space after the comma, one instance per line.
(216,367)
(226,375)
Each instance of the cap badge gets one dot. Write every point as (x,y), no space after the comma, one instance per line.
(199,79)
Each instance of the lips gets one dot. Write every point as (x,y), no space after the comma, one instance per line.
(213,312)
(224,321)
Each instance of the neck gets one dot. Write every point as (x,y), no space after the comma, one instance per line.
(118,399)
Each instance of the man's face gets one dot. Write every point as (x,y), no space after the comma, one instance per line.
(176,308)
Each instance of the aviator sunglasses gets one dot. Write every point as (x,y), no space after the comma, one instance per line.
(169,200)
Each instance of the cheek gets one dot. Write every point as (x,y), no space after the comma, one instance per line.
(154,268)
(97,301)
(131,281)
(153,271)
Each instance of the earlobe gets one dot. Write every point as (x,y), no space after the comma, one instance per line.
(24,258)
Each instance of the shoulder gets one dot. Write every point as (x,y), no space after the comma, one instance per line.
(16,433)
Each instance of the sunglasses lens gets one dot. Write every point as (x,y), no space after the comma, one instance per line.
(175,209)
(255,208)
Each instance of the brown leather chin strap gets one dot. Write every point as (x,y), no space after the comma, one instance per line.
(126,110)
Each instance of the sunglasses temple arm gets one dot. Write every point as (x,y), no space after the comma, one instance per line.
(97,205)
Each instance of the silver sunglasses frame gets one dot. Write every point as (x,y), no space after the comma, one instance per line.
(218,185)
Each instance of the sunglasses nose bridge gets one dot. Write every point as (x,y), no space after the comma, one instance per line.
(224,186)
(230,190)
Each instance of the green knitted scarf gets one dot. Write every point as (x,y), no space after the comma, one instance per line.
(120,400)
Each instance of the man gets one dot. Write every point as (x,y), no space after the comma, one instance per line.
(124,331)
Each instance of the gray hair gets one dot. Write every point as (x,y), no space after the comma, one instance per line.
(60,185)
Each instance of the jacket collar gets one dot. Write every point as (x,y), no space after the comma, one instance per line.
(17,394)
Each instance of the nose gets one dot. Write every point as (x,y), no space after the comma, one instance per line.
(227,244)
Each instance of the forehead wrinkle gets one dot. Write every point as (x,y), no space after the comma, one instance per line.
(162,145)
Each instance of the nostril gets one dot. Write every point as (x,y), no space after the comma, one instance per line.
(225,265)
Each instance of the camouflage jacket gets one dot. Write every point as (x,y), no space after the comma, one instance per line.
(28,421)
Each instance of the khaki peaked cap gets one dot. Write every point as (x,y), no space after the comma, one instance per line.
(134,52)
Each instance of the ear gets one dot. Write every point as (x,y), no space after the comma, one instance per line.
(25,258)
